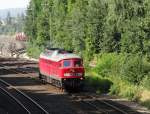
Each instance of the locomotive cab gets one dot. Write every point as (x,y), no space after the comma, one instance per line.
(72,72)
(72,67)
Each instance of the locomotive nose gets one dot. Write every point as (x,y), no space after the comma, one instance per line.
(72,70)
(76,72)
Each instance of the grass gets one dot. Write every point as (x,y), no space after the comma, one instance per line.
(100,85)
(146,104)
(145,98)
(119,87)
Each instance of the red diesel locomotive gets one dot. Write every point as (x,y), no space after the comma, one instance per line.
(61,68)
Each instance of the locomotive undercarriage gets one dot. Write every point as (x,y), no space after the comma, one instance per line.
(71,83)
(48,79)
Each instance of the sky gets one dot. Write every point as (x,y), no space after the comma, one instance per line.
(6,4)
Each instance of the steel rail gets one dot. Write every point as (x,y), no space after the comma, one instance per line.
(26,96)
(110,105)
(100,101)
(94,106)
(4,67)
(16,100)
(114,107)
(91,105)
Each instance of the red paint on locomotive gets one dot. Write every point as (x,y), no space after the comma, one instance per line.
(61,66)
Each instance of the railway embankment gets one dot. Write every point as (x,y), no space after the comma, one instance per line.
(122,75)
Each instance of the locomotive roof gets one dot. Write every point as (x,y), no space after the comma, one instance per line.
(57,55)
(58,49)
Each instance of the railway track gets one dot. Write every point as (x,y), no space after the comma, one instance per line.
(101,105)
(18,66)
(6,93)
(27,103)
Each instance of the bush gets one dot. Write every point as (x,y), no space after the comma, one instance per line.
(145,98)
(130,67)
(146,103)
(100,85)
(105,63)
(124,70)
(146,82)
(124,89)
(33,50)
(115,89)
(131,92)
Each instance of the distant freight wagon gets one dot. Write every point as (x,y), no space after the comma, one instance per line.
(21,36)
(61,68)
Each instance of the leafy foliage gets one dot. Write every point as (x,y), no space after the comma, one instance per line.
(130,67)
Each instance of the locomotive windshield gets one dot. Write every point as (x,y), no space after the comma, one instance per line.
(72,63)
(77,63)
(67,63)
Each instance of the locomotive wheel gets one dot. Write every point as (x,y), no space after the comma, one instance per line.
(41,77)
(43,81)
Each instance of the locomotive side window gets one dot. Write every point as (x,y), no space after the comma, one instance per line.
(67,63)
(77,63)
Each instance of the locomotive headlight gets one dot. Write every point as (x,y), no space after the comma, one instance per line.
(81,78)
(78,74)
(67,74)
(72,74)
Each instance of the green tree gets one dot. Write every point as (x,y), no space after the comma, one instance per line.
(43,24)
(96,18)
(90,26)
(9,19)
